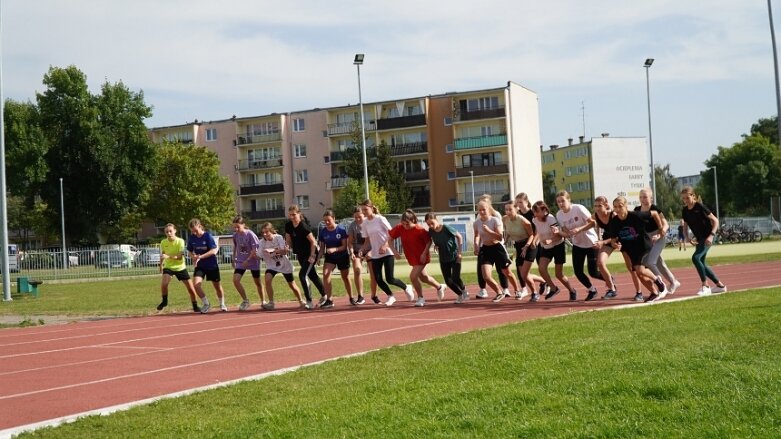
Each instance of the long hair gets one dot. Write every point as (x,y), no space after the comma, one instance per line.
(368,203)
(540,206)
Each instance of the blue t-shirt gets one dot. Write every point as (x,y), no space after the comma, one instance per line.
(333,238)
(201,245)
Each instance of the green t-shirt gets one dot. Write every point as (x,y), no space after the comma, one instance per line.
(173,248)
(446,243)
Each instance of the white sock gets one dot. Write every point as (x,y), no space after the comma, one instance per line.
(222,301)
(205,300)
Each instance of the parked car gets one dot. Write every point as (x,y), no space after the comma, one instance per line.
(149,257)
(127,249)
(112,259)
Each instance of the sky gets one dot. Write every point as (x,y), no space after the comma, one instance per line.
(711,80)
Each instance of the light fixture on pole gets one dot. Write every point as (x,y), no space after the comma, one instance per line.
(472,175)
(358,61)
(716,189)
(647,65)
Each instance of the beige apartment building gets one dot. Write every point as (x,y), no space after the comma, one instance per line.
(450,147)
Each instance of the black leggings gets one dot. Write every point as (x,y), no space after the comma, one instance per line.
(312,275)
(481,282)
(386,262)
(588,255)
(451,271)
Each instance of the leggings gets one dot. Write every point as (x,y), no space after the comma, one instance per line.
(654,261)
(451,271)
(588,255)
(698,258)
(311,273)
(481,281)
(387,262)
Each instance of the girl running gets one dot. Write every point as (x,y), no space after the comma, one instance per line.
(574,224)
(172,264)
(488,241)
(354,243)
(525,210)
(333,244)
(551,248)
(449,243)
(655,262)
(299,237)
(274,250)
(704,224)
(601,218)
(203,253)
(416,244)
(482,294)
(519,233)
(375,229)
(245,257)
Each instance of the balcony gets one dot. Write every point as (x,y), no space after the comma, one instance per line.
(416,176)
(481,141)
(261,188)
(421,199)
(258,138)
(336,156)
(465,198)
(337,183)
(409,148)
(245,165)
(496,169)
(264,214)
(336,129)
(486,113)
(401,122)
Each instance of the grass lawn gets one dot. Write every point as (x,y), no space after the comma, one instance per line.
(698,368)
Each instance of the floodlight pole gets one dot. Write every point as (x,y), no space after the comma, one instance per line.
(3,200)
(647,65)
(358,61)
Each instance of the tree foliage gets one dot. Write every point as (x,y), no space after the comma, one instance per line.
(667,197)
(548,190)
(25,150)
(353,194)
(767,127)
(188,184)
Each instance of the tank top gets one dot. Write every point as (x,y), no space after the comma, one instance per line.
(514,229)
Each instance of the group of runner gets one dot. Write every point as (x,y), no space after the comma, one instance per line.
(532,231)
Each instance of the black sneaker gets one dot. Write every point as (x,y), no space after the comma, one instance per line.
(591,295)
(162,305)
(360,300)
(196,308)
(543,287)
(639,297)
(376,300)
(535,297)
(652,297)
(611,294)
(327,304)
(573,296)
(553,291)
(659,284)
(353,302)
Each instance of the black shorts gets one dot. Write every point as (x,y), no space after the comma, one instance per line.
(557,253)
(635,255)
(531,252)
(495,255)
(340,259)
(241,271)
(180,275)
(288,276)
(212,274)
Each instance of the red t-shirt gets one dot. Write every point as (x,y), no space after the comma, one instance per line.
(414,241)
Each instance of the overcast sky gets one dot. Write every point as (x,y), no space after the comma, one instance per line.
(208,60)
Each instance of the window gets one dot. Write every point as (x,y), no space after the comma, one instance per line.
(211,134)
(299,151)
(302,201)
(302,176)
(298,125)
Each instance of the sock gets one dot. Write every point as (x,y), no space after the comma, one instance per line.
(195,306)
(222,301)
(163,303)
(205,300)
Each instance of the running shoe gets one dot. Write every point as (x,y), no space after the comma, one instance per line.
(674,286)
(205,308)
(376,300)
(223,308)
(704,291)
(463,298)
(267,306)
(196,308)
(323,299)
(553,291)
(410,293)
(353,302)
(328,304)
(441,292)
(591,295)
(573,296)
(499,297)
(639,297)
(611,294)
(162,305)
(244,305)
(420,302)
(391,300)
(718,289)
(535,297)
(519,295)
(482,294)
(309,304)
(653,297)
(360,300)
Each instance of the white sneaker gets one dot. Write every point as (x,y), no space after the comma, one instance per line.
(268,306)
(205,308)
(674,286)
(704,291)
(309,305)
(506,292)
(521,294)
(420,302)
(463,298)
(483,294)
(410,293)
(441,292)
(223,308)
(391,300)
(718,289)
(244,305)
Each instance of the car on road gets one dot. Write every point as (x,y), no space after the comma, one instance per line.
(148,257)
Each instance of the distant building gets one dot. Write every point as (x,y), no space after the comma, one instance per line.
(609,166)
(688,180)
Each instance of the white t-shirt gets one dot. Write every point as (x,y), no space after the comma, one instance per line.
(544,231)
(376,231)
(273,261)
(578,216)
(486,238)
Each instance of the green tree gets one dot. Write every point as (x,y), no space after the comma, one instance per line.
(25,150)
(353,194)
(667,197)
(188,185)
(548,190)
(767,127)
(99,145)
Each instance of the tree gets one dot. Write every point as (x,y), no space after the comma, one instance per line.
(99,145)
(353,194)
(548,190)
(767,127)
(25,150)
(188,185)
(667,197)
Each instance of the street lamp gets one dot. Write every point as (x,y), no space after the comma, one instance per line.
(3,201)
(716,187)
(358,61)
(472,176)
(647,65)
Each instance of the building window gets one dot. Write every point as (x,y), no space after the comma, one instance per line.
(299,151)
(298,125)
(302,176)
(211,134)
(302,201)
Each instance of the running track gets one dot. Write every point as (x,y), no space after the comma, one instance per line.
(52,374)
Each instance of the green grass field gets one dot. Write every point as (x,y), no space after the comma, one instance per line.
(701,368)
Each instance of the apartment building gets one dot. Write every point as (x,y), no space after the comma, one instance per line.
(609,166)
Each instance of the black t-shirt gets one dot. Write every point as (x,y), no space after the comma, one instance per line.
(652,226)
(631,232)
(529,215)
(299,238)
(604,228)
(697,220)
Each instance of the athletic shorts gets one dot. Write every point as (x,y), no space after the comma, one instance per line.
(495,255)
(241,271)
(211,274)
(557,253)
(531,252)
(340,259)
(288,276)
(636,256)
(180,275)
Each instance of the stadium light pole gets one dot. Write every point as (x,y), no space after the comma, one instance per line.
(3,200)
(716,187)
(358,61)
(62,223)
(647,65)
(775,68)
